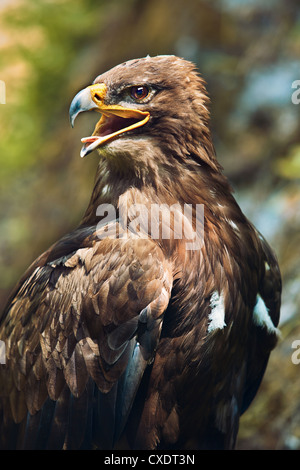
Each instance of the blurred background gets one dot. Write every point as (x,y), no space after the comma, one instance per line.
(248,51)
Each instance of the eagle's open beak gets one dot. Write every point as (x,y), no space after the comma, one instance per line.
(115,119)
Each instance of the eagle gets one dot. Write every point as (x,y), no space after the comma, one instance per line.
(150,325)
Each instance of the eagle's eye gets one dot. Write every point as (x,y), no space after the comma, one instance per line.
(139,92)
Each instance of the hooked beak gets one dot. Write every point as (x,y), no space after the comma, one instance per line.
(115,120)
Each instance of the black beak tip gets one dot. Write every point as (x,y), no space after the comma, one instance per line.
(74,111)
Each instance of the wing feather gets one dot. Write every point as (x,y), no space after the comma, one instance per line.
(263,341)
(75,320)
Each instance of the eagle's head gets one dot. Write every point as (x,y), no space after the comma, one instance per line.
(153,102)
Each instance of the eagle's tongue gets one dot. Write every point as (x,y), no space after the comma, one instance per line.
(88,140)
(88,146)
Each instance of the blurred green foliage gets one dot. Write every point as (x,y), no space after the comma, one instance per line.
(51,35)
(289,167)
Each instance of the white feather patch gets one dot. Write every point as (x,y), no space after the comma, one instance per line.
(267,267)
(217,314)
(105,190)
(233,225)
(261,316)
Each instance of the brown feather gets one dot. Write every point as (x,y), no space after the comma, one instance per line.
(114,338)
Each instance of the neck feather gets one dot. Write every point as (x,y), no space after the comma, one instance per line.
(160,180)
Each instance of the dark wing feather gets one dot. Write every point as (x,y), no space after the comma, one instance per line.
(79,332)
(263,340)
